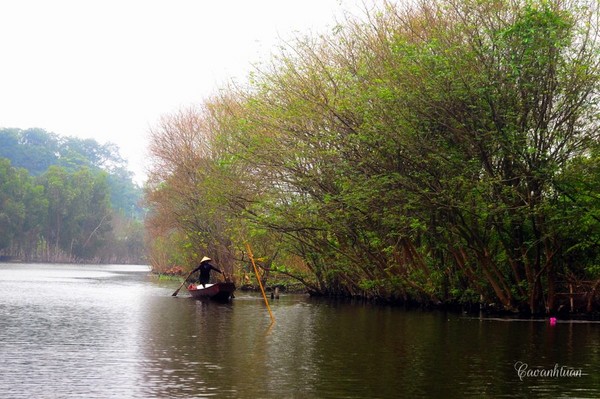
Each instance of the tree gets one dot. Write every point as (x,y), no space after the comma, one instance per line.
(62,213)
(78,212)
(36,150)
(183,213)
(432,152)
(22,210)
(511,109)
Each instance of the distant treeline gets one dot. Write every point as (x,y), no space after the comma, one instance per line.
(65,199)
(436,151)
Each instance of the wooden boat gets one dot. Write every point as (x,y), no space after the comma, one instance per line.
(218,291)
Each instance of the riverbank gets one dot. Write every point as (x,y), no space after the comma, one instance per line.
(472,309)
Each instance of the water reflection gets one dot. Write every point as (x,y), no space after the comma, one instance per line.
(112,332)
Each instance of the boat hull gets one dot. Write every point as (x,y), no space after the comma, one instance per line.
(218,291)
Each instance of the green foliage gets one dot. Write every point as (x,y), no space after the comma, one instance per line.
(446,151)
(23,207)
(37,150)
(64,211)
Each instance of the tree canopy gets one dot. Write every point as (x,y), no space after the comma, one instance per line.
(439,152)
(66,199)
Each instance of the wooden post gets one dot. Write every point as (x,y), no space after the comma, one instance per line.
(571,297)
(260,282)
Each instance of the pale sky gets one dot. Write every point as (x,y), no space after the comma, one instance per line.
(108,69)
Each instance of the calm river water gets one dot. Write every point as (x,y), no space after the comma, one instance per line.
(80,331)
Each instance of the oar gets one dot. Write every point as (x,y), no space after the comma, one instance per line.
(177,291)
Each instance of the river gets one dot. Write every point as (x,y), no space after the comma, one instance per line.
(88,331)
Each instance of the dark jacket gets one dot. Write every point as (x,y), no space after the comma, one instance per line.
(205,269)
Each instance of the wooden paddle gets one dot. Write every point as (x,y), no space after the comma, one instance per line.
(177,291)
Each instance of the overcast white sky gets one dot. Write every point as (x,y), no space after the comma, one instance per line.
(108,69)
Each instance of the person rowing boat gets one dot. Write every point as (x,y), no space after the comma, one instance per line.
(205,267)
